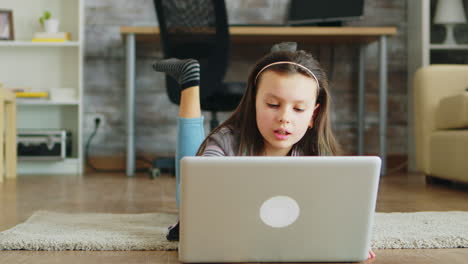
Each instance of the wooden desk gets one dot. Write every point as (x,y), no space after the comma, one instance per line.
(277,34)
(239,35)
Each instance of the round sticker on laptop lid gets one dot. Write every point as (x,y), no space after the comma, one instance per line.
(279,211)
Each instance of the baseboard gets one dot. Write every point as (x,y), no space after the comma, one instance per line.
(117,163)
(395,163)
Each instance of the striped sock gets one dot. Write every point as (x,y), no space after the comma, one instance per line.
(185,72)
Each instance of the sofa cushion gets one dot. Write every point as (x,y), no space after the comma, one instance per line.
(453,112)
(448,156)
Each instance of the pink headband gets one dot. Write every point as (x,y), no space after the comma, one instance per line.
(288,62)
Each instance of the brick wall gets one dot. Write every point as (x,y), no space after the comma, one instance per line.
(104,84)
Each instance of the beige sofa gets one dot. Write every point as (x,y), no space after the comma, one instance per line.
(441,121)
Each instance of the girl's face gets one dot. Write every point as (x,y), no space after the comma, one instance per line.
(285,106)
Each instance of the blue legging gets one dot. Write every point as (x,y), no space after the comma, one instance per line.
(190,135)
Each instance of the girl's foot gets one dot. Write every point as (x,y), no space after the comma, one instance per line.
(173,234)
(185,72)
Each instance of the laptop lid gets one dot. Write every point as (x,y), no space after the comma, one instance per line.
(277,209)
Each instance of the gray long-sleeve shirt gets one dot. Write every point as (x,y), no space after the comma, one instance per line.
(226,143)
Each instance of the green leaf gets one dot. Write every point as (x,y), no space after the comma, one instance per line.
(47,15)
(44,17)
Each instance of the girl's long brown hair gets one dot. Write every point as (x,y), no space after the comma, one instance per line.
(317,141)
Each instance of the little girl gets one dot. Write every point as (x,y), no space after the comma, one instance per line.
(284,112)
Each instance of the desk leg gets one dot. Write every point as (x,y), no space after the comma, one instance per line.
(383,102)
(361,100)
(130,69)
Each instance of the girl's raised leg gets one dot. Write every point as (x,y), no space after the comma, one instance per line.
(190,130)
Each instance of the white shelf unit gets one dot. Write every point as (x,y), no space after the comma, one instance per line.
(46,66)
(9,43)
(420,49)
(45,102)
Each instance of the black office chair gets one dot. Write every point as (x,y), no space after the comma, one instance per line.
(199,29)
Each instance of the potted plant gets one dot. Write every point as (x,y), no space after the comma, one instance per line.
(50,24)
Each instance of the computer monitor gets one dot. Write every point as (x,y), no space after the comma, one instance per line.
(308,12)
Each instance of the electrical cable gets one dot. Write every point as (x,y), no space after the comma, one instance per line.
(97,122)
(397,168)
(145,160)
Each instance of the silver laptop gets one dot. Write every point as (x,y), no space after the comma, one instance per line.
(277,209)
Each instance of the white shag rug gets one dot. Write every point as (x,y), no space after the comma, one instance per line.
(420,230)
(60,231)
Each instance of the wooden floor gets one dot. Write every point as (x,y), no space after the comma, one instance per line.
(119,194)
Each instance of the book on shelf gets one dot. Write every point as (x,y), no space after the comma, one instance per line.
(32,94)
(32,100)
(49,40)
(51,37)
(19,89)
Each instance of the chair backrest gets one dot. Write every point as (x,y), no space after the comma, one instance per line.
(430,85)
(195,29)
